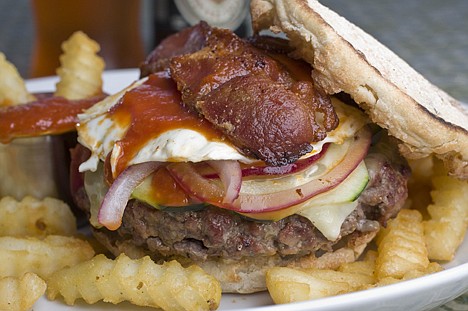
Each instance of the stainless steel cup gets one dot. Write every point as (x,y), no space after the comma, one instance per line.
(36,166)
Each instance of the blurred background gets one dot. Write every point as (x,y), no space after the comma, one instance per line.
(431,35)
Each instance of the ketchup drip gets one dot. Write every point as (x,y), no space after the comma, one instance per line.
(150,110)
(46,116)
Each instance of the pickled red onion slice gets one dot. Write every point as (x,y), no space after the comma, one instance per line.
(114,203)
(230,173)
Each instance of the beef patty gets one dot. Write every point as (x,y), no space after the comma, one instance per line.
(211,232)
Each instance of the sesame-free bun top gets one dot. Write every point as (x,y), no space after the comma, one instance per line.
(425,119)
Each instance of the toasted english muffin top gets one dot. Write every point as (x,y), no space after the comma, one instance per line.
(426,120)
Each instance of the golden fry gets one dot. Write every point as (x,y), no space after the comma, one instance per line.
(81,68)
(41,256)
(431,268)
(443,202)
(20,294)
(401,246)
(141,282)
(34,217)
(12,88)
(448,222)
(287,285)
(419,184)
(365,267)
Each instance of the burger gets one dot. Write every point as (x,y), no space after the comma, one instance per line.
(239,154)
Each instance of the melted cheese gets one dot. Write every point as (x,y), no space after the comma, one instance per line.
(328,219)
(328,211)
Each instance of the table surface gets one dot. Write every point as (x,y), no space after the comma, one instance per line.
(431,35)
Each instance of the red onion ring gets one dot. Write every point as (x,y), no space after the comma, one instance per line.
(206,190)
(260,170)
(249,203)
(114,203)
(230,173)
(193,183)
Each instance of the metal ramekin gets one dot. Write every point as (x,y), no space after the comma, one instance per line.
(36,166)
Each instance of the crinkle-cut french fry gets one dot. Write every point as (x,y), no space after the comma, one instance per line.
(401,246)
(433,267)
(354,280)
(41,256)
(80,72)
(448,222)
(287,285)
(365,267)
(419,184)
(34,217)
(20,293)
(12,88)
(139,281)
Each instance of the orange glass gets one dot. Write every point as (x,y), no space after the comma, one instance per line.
(114,24)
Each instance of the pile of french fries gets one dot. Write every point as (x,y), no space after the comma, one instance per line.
(426,232)
(41,251)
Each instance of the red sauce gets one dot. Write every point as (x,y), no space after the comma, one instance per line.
(150,110)
(166,191)
(47,115)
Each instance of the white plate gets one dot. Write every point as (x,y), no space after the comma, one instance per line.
(418,294)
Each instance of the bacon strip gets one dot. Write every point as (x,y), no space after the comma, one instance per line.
(250,96)
(263,118)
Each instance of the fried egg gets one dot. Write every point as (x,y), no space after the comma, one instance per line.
(100,134)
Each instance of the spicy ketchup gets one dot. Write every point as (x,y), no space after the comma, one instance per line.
(151,109)
(148,111)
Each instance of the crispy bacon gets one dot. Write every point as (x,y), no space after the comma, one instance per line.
(51,115)
(249,95)
(263,118)
(224,57)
